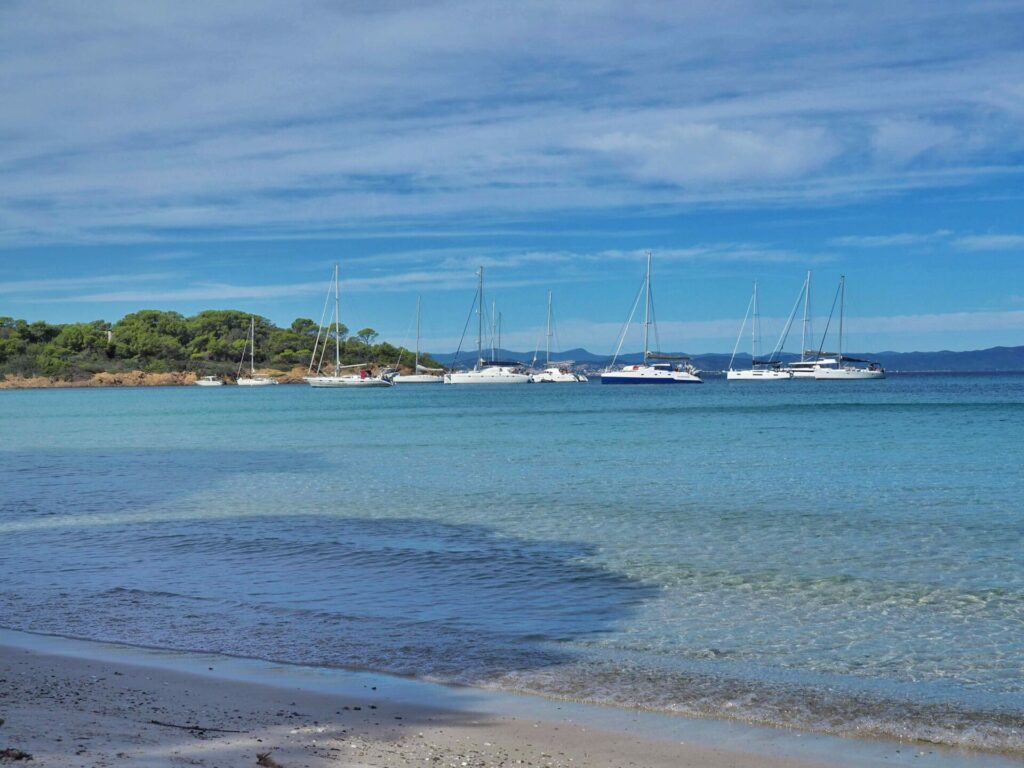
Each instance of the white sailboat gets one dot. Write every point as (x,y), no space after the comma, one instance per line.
(486,371)
(423,374)
(253,379)
(322,380)
(656,368)
(809,358)
(759,370)
(557,372)
(840,369)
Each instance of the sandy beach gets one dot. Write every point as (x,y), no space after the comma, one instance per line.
(66,710)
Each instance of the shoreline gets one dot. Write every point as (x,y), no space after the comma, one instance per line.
(104,697)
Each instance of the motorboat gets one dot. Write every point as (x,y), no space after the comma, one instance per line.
(209,381)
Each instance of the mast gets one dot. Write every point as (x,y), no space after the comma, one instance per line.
(417,364)
(494,321)
(480,319)
(547,345)
(252,345)
(499,331)
(337,324)
(647,309)
(807,307)
(842,301)
(754,329)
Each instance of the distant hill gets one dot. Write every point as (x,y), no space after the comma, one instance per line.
(979,360)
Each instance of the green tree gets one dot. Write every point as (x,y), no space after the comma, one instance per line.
(367,335)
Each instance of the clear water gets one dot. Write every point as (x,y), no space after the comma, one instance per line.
(846,557)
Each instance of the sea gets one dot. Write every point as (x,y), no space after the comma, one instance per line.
(845,557)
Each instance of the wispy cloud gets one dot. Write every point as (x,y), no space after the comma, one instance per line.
(64,284)
(991,243)
(891,240)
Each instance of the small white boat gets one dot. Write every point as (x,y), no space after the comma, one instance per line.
(555,372)
(487,371)
(423,375)
(209,381)
(253,379)
(674,369)
(760,370)
(336,380)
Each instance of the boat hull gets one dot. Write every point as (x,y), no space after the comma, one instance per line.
(558,377)
(847,374)
(487,376)
(660,377)
(345,382)
(209,383)
(256,382)
(756,375)
(417,378)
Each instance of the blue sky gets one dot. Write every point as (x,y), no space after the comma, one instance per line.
(187,155)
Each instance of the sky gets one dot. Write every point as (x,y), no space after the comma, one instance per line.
(192,155)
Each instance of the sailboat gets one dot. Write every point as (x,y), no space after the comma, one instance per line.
(838,369)
(486,371)
(319,379)
(253,379)
(423,374)
(760,370)
(809,358)
(656,367)
(558,372)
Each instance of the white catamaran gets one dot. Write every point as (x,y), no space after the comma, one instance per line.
(317,378)
(486,371)
(422,374)
(253,379)
(760,370)
(656,368)
(559,372)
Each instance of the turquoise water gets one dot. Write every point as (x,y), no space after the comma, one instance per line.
(843,557)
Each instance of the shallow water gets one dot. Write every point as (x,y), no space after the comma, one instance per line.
(845,557)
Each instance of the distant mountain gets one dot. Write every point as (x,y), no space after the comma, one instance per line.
(980,360)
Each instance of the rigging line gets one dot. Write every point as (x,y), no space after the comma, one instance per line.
(320,327)
(831,312)
(625,327)
(654,322)
(789,324)
(465,328)
(743,327)
(403,349)
(323,350)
